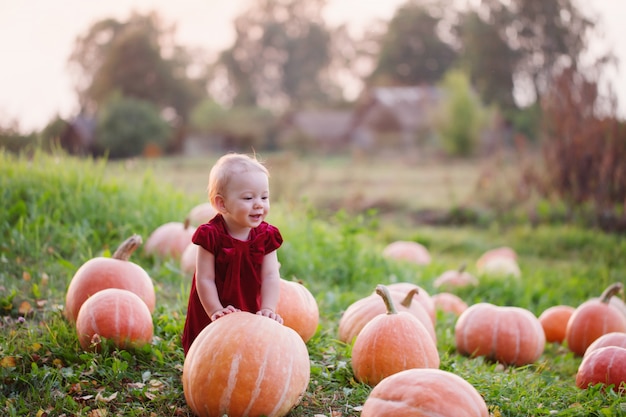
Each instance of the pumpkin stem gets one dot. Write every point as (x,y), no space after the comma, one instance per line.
(409,297)
(611,290)
(462,267)
(127,247)
(384,293)
(186,223)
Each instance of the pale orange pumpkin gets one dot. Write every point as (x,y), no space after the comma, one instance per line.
(424,392)
(359,313)
(408,251)
(201,214)
(115,272)
(499,262)
(509,335)
(188,259)
(421,296)
(455,278)
(609,339)
(245,364)
(298,308)
(554,322)
(169,240)
(606,365)
(592,319)
(449,303)
(116,315)
(496,253)
(391,343)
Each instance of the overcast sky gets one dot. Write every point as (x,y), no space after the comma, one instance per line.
(37,36)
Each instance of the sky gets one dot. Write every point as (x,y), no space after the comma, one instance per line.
(37,37)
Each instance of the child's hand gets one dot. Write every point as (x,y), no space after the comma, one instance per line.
(223,311)
(266,312)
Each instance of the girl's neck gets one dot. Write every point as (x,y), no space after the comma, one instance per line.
(236,232)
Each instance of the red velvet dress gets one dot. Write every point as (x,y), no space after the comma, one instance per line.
(237,271)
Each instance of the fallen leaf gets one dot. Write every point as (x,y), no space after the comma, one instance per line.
(25,308)
(8,362)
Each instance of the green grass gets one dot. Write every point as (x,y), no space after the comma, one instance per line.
(57,212)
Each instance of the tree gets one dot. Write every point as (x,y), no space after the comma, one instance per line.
(488,59)
(412,50)
(279,56)
(129,58)
(546,37)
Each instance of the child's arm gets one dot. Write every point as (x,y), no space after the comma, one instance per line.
(205,284)
(270,287)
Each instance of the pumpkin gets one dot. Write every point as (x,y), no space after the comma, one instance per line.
(496,253)
(407,251)
(201,214)
(169,240)
(245,364)
(115,272)
(592,319)
(606,365)
(554,322)
(455,278)
(359,313)
(509,335)
(298,308)
(421,296)
(609,339)
(117,315)
(391,343)
(188,259)
(449,303)
(424,392)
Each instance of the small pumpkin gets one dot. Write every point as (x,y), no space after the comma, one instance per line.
(201,214)
(496,253)
(298,308)
(359,313)
(188,259)
(554,322)
(115,272)
(449,303)
(592,319)
(169,240)
(409,251)
(499,262)
(117,315)
(509,335)
(245,364)
(455,278)
(424,392)
(606,365)
(391,343)
(609,339)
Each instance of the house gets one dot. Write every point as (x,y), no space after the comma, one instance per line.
(320,130)
(407,112)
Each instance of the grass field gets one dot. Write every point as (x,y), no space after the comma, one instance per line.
(57,212)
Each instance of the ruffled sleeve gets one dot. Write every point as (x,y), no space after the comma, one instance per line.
(274,239)
(206,236)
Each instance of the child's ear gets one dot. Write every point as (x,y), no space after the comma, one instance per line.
(219,203)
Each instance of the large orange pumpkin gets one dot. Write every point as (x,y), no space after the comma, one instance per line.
(424,392)
(359,313)
(298,308)
(169,240)
(391,343)
(245,364)
(116,315)
(554,322)
(592,319)
(116,272)
(509,335)
(606,366)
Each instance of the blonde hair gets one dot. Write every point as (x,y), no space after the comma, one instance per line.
(227,166)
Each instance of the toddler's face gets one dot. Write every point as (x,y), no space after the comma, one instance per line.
(247,198)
